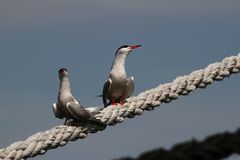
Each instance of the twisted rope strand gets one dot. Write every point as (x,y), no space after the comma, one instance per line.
(41,142)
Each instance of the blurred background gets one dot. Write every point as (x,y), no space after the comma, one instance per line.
(177,37)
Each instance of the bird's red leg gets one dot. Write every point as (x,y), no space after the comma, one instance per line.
(122,102)
(113,101)
(65,122)
(73,123)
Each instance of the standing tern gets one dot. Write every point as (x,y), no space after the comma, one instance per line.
(118,87)
(67,106)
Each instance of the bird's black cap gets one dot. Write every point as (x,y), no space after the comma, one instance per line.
(123,46)
(61,70)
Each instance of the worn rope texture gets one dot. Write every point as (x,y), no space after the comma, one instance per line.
(41,142)
(214,147)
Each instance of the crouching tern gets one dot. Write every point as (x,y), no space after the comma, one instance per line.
(67,106)
(118,87)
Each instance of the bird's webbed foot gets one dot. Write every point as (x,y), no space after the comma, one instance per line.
(114,102)
(122,102)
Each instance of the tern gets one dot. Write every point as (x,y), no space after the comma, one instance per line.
(118,87)
(67,106)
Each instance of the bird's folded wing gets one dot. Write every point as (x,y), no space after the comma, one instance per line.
(76,111)
(56,111)
(129,88)
(106,88)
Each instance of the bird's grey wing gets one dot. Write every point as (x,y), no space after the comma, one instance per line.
(56,111)
(76,111)
(106,88)
(129,88)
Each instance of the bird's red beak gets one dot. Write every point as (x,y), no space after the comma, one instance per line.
(135,46)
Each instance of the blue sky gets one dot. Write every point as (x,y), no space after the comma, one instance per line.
(177,37)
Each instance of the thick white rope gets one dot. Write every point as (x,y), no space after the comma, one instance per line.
(41,142)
